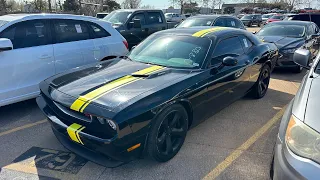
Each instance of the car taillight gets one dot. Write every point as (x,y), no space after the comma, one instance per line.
(126,44)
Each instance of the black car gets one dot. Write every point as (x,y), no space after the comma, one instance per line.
(117,110)
(137,24)
(212,20)
(252,19)
(313,17)
(290,36)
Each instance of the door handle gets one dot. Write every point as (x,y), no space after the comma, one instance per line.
(45,56)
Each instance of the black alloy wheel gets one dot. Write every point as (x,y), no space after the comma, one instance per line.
(168,133)
(260,88)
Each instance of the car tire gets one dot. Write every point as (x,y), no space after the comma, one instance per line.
(259,24)
(297,69)
(167,133)
(260,88)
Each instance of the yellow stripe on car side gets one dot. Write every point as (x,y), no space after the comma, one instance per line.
(83,101)
(204,32)
(73,132)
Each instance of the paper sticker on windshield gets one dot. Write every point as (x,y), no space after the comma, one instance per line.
(195,64)
(233,23)
(78,28)
(245,43)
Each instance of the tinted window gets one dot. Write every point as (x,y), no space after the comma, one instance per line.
(196,22)
(316,28)
(280,30)
(227,47)
(316,19)
(98,31)
(246,43)
(220,22)
(230,22)
(70,30)
(27,34)
(139,16)
(154,18)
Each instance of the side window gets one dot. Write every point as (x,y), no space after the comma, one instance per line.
(220,22)
(246,43)
(154,18)
(227,47)
(310,30)
(139,16)
(98,31)
(70,30)
(27,34)
(230,22)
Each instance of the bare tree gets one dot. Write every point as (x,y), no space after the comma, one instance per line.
(147,7)
(131,4)
(293,3)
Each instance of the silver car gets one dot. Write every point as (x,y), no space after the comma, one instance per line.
(297,151)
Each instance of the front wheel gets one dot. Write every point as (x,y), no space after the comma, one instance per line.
(168,133)
(260,88)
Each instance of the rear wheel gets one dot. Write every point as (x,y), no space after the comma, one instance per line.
(261,86)
(168,133)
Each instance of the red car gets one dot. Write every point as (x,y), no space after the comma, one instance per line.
(277,17)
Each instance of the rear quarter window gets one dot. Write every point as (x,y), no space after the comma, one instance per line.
(98,31)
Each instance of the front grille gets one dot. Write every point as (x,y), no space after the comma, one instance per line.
(73,113)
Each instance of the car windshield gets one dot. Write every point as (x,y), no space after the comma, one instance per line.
(196,22)
(266,16)
(172,51)
(276,17)
(2,22)
(281,30)
(247,17)
(118,17)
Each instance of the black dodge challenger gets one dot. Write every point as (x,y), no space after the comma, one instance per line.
(144,103)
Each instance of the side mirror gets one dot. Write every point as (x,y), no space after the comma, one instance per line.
(137,23)
(229,61)
(302,58)
(133,47)
(5,44)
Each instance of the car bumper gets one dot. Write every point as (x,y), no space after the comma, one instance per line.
(288,165)
(106,152)
(286,60)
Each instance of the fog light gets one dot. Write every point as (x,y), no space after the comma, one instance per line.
(112,124)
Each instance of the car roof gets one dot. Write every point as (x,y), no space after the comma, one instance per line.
(199,31)
(293,22)
(210,16)
(13,17)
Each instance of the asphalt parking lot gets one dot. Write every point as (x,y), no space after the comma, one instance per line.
(236,143)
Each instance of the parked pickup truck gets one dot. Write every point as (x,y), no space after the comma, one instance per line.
(137,24)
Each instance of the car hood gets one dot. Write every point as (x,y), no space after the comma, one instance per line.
(283,42)
(312,110)
(111,84)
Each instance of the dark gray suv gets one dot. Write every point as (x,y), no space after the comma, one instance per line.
(297,151)
(252,19)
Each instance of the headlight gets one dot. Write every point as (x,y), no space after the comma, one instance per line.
(303,140)
(289,51)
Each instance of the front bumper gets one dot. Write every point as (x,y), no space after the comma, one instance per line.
(288,165)
(106,152)
(286,60)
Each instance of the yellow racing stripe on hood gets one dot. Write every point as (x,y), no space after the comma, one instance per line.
(83,101)
(204,32)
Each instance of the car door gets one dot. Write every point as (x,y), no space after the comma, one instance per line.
(73,46)
(28,63)
(135,35)
(154,22)
(102,41)
(227,83)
